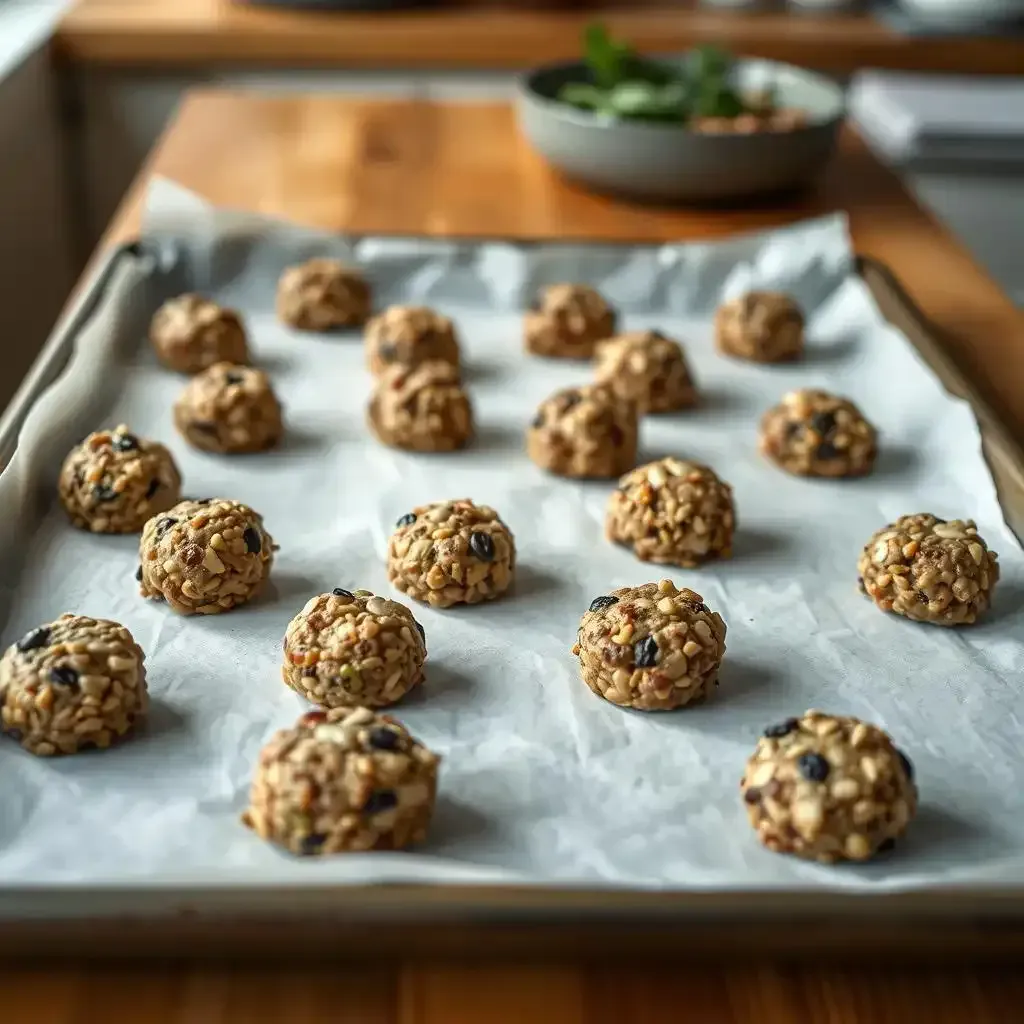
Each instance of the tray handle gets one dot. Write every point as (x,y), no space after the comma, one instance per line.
(1003,452)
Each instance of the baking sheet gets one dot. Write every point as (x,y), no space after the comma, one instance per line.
(542,782)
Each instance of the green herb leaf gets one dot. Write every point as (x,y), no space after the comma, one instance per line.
(640,99)
(718,99)
(710,62)
(584,96)
(605,57)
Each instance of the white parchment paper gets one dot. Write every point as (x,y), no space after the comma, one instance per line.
(542,782)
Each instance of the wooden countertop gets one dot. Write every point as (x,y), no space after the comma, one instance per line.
(184,33)
(402,166)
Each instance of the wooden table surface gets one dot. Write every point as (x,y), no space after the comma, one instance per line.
(472,34)
(461,170)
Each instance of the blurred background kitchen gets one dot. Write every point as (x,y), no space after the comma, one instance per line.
(86,86)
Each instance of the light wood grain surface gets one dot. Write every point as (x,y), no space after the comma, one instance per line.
(180,33)
(416,167)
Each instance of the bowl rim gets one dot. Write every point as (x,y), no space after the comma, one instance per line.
(527,91)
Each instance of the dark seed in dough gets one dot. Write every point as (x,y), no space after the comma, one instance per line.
(339,592)
(138,574)
(383,739)
(380,800)
(154,486)
(827,450)
(823,423)
(253,544)
(407,520)
(103,494)
(311,844)
(604,601)
(814,767)
(164,525)
(780,729)
(39,637)
(64,675)
(645,652)
(482,546)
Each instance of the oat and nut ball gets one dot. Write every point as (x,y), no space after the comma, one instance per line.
(229,409)
(672,512)
(567,321)
(114,481)
(929,570)
(191,332)
(586,432)
(451,552)
(343,780)
(322,294)
(421,409)
(647,369)
(652,647)
(204,557)
(351,649)
(408,336)
(814,433)
(764,327)
(828,788)
(72,684)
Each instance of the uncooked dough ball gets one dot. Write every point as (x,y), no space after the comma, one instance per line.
(114,481)
(322,294)
(929,570)
(584,432)
(567,321)
(190,333)
(343,780)
(347,649)
(673,512)
(229,408)
(205,557)
(72,684)
(652,647)
(764,327)
(451,552)
(828,788)
(421,409)
(648,369)
(814,433)
(408,336)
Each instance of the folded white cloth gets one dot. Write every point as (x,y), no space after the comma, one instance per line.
(937,117)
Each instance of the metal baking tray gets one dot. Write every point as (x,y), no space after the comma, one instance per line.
(486,920)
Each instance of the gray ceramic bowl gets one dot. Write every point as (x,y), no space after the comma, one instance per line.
(666,162)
